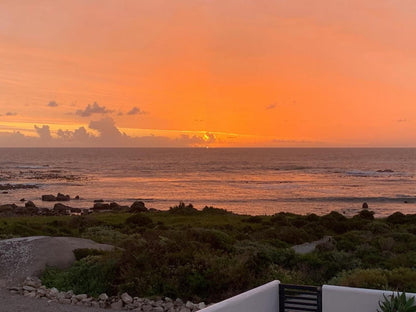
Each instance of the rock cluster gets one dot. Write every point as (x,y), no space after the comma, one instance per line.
(58,197)
(32,287)
(60,209)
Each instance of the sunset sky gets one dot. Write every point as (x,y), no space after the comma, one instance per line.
(218,73)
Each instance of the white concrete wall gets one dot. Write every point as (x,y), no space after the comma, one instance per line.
(264,298)
(349,299)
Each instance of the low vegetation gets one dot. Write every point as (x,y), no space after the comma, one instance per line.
(212,254)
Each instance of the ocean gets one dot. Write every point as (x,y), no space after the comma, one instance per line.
(247,181)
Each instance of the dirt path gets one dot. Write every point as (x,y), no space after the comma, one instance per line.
(310,247)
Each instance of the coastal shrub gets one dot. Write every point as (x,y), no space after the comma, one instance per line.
(83,222)
(254,219)
(279,219)
(365,278)
(82,253)
(104,234)
(215,211)
(292,235)
(139,219)
(183,209)
(396,218)
(92,275)
(214,238)
(365,214)
(403,279)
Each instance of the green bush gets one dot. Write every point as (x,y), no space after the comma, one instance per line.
(397,303)
(365,278)
(92,275)
(139,219)
(183,209)
(82,253)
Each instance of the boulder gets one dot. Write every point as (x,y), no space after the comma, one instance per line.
(138,206)
(365,205)
(28,210)
(48,197)
(115,206)
(126,298)
(7,209)
(30,204)
(61,209)
(62,197)
(101,206)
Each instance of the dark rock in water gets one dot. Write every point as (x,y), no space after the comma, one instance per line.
(22,199)
(101,206)
(385,170)
(29,204)
(5,192)
(62,197)
(138,206)
(61,209)
(114,206)
(48,197)
(365,205)
(98,200)
(76,197)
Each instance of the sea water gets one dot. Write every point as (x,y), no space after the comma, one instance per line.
(246,181)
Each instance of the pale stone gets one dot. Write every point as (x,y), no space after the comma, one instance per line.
(29,288)
(118,305)
(103,297)
(126,298)
(81,296)
(201,305)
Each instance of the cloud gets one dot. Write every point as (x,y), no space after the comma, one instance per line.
(271,106)
(136,111)
(100,133)
(10,114)
(402,120)
(52,104)
(106,128)
(92,109)
(44,133)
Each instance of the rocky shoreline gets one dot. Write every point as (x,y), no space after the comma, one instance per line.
(32,287)
(60,209)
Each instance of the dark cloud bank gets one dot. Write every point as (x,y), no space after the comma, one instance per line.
(108,136)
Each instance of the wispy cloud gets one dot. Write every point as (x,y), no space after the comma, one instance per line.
(92,109)
(11,114)
(136,111)
(52,104)
(271,106)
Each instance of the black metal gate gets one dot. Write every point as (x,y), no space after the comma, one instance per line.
(300,298)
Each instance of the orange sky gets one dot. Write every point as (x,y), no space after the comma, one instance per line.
(207,73)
